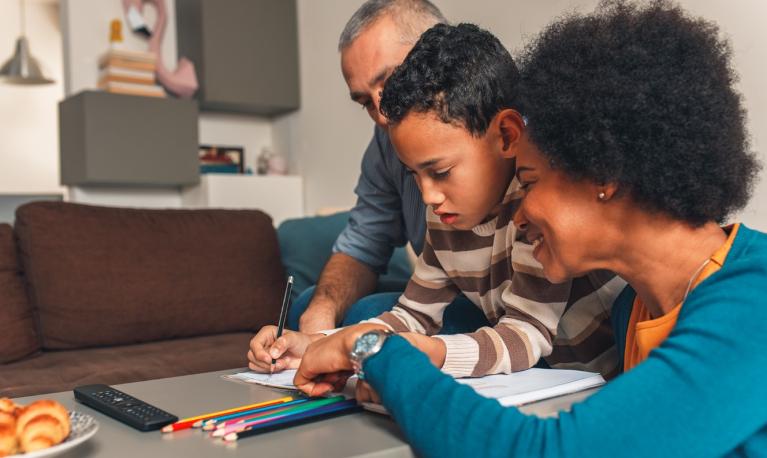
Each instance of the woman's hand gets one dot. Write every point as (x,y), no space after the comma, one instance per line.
(287,350)
(326,361)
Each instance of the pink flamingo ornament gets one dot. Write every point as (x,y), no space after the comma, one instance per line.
(182,82)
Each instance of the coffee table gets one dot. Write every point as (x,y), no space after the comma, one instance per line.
(362,434)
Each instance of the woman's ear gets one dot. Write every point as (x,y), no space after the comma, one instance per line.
(607,191)
(511,126)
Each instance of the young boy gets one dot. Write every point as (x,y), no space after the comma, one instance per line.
(450,108)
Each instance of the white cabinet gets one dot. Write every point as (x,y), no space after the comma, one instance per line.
(279,196)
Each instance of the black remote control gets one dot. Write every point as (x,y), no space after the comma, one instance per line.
(123,407)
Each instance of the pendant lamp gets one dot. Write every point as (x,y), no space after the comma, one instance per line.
(22,68)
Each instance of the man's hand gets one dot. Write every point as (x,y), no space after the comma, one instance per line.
(287,350)
(321,315)
(326,360)
(344,280)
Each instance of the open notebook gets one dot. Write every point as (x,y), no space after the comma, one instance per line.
(509,389)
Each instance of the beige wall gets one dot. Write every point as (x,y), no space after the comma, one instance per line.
(327,137)
(29,161)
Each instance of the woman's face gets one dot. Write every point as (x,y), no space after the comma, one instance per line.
(563,218)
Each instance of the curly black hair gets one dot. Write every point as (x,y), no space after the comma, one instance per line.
(461,73)
(642,95)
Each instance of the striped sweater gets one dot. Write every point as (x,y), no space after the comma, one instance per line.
(568,324)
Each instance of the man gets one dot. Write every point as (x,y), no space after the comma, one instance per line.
(389,210)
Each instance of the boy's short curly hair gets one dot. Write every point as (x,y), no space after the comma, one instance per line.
(642,96)
(461,73)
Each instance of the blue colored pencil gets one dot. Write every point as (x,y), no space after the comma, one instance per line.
(339,408)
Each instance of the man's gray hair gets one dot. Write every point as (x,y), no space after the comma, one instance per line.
(413,17)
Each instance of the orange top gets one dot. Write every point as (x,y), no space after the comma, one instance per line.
(644,334)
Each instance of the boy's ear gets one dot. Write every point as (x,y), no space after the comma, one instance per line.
(511,126)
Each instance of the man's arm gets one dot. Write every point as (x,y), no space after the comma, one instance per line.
(343,281)
(364,247)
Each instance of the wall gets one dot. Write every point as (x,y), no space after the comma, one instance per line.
(327,137)
(29,161)
(86,33)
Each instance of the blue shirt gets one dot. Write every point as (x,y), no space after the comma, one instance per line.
(389,211)
(702,393)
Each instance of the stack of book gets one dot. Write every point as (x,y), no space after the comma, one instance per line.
(129,72)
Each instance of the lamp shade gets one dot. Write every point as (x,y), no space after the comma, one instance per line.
(22,68)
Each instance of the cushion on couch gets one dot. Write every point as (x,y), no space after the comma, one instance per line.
(18,337)
(123,364)
(307,243)
(113,276)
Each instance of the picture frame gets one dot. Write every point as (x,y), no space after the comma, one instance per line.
(221,159)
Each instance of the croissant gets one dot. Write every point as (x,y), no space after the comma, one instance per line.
(8,406)
(41,424)
(8,442)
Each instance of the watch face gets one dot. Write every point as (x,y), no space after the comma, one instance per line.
(365,343)
(368,340)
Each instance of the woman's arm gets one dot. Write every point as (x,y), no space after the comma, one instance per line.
(701,394)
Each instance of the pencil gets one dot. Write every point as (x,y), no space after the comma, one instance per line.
(272,412)
(187,423)
(284,311)
(339,408)
(224,429)
(211,424)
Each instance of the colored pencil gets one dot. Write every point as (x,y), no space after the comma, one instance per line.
(339,408)
(211,424)
(187,423)
(224,429)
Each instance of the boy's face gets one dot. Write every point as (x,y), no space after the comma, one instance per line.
(463,177)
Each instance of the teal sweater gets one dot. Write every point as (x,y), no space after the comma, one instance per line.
(703,393)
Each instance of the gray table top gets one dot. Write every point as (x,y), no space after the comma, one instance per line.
(362,434)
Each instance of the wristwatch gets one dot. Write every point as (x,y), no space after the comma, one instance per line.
(367,345)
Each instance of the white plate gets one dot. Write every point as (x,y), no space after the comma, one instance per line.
(83,427)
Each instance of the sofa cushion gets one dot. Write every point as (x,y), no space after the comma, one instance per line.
(307,243)
(113,276)
(123,364)
(18,337)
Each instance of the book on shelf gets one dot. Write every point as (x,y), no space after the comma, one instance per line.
(127,55)
(513,389)
(127,75)
(126,64)
(145,90)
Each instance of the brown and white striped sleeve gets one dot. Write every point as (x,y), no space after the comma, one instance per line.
(524,333)
(421,306)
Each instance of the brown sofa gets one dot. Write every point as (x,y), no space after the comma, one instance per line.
(108,295)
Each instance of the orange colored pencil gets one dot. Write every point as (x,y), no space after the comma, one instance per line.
(187,423)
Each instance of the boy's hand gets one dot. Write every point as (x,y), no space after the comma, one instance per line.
(434,348)
(287,350)
(327,359)
(366,393)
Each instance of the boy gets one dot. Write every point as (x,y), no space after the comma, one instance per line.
(452,122)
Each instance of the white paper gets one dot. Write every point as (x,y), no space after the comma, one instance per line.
(513,389)
(532,385)
(282,380)
(524,387)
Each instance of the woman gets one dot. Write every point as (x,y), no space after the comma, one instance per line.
(636,153)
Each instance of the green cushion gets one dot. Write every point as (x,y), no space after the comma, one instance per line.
(306,245)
